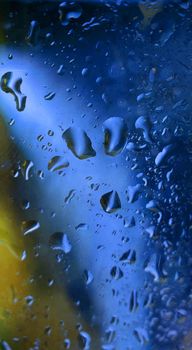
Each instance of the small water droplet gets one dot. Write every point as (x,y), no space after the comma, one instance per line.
(82,227)
(49,96)
(23,255)
(116,273)
(47,331)
(60,241)
(70,196)
(84,72)
(130,222)
(57,163)
(12,122)
(26,166)
(50,132)
(88,277)
(30,226)
(29,300)
(128,257)
(67,343)
(154,266)
(60,70)
(133,192)
(141,335)
(33,34)
(25,204)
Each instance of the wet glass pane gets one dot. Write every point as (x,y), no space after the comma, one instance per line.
(95,175)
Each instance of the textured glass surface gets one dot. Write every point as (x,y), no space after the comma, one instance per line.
(95,175)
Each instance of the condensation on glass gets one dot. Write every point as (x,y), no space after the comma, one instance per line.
(95,175)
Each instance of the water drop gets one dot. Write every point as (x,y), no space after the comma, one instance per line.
(70,196)
(128,257)
(82,227)
(23,255)
(162,156)
(67,343)
(141,335)
(151,231)
(29,300)
(5,345)
(144,124)
(84,72)
(25,204)
(50,132)
(32,36)
(152,205)
(116,273)
(26,167)
(110,202)
(79,143)
(12,85)
(30,226)
(57,163)
(88,277)
(133,192)
(115,130)
(133,302)
(129,222)
(49,96)
(60,241)
(68,12)
(61,70)
(84,340)
(154,266)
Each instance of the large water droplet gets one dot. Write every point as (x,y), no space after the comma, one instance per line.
(79,143)
(60,241)
(10,84)
(110,202)
(115,130)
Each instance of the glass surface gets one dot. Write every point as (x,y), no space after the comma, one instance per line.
(95,175)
